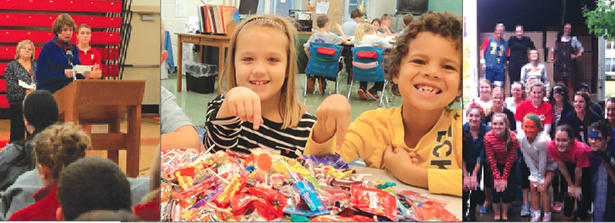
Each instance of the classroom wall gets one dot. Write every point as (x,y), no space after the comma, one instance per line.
(141,53)
(178,25)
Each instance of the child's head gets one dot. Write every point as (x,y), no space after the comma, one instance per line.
(323,20)
(386,20)
(92,183)
(40,110)
(356,13)
(532,125)
(474,114)
(263,58)
(427,61)
(362,30)
(599,135)
(516,90)
(534,55)
(57,147)
(376,23)
(537,92)
(84,33)
(609,109)
(564,138)
(582,102)
(408,19)
(498,97)
(499,30)
(484,88)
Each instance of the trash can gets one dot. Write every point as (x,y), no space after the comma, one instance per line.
(201,78)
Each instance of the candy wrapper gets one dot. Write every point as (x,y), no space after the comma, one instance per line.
(235,186)
(428,209)
(332,160)
(374,201)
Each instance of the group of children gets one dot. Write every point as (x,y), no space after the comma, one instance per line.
(550,140)
(417,142)
(365,34)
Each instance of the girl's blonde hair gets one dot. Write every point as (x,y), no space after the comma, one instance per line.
(60,145)
(21,45)
(361,30)
(291,109)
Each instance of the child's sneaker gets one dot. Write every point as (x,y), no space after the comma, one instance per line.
(485,209)
(310,84)
(373,93)
(362,95)
(525,210)
(535,216)
(546,217)
(556,208)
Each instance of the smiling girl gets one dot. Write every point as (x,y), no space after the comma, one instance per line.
(259,107)
(420,143)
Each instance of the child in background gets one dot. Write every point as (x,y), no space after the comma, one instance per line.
(365,35)
(536,105)
(149,208)
(55,148)
(89,184)
(501,152)
(385,26)
(535,69)
(259,107)
(376,24)
(322,35)
(407,20)
(429,81)
(473,160)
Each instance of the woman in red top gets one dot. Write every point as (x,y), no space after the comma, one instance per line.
(572,159)
(87,54)
(537,106)
(55,148)
(501,151)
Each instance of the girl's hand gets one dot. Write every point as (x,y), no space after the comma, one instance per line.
(473,182)
(333,118)
(542,187)
(467,183)
(244,103)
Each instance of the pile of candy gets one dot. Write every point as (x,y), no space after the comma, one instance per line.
(265,186)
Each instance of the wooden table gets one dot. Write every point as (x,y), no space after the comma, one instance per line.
(221,42)
(453,204)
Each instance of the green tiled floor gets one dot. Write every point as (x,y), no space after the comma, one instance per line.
(195,104)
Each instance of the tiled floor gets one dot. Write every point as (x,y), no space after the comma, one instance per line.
(195,104)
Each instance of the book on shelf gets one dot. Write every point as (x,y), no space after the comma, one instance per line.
(214,19)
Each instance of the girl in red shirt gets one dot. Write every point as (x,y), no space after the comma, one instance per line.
(572,159)
(55,148)
(87,54)
(501,151)
(537,106)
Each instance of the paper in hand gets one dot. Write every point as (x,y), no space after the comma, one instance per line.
(79,69)
(25,85)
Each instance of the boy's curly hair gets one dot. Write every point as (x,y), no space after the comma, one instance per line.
(445,24)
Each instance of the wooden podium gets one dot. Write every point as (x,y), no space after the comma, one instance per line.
(106,102)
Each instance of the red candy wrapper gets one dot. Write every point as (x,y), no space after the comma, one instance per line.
(244,202)
(374,201)
(235,186)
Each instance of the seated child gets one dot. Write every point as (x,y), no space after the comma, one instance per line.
(92,183)
(322,35)
(55,148)
(426,71)
(259,107)
(149,208)
(40,111)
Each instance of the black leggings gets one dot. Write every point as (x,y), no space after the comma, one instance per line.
(475,196)
(504,196)
(514,70)
(525,173)
(585,202)
(377,85)
(558,191)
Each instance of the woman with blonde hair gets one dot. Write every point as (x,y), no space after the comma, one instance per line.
(21,69)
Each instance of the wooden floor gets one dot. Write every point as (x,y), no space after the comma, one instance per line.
(150,140)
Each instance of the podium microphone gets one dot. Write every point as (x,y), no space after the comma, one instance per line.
(70,56)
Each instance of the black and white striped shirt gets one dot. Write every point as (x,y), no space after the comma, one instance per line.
(236,135)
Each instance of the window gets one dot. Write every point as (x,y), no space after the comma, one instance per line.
(609,44)
(352,4)
(612,64)
(607,65)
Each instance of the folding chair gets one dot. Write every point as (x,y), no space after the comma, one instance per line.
(323,62)
(368,65)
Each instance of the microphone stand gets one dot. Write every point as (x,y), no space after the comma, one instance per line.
(73,68)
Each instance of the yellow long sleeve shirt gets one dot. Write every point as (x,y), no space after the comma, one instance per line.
(439,151)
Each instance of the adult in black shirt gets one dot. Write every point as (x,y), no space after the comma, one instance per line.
(519,46)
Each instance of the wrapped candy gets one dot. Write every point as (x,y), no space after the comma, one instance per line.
(374,201)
